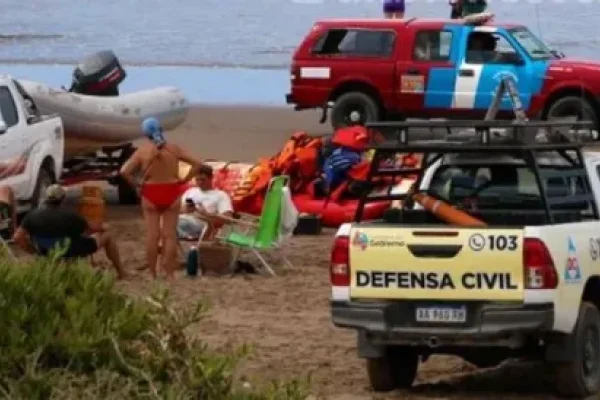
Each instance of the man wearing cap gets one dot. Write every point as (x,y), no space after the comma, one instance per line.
(54,225)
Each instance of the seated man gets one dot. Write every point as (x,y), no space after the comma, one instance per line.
(201,207)
(8,212)
(46,227)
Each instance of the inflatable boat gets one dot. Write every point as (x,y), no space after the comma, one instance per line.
(95,115)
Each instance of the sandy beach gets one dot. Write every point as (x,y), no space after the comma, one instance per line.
(286,318)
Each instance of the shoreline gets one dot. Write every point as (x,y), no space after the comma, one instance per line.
(227,86)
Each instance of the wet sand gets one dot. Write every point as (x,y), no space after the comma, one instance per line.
(286,318)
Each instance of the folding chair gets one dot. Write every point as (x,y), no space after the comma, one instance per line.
(266,228)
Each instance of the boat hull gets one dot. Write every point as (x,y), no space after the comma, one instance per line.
(93,122)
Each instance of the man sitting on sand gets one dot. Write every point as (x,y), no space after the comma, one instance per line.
(54,225)
(201,207)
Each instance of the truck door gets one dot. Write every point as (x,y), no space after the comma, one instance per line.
(489,54)
(14,150)
(426,71)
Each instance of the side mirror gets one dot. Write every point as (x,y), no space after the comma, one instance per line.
(557,54)
(3,127)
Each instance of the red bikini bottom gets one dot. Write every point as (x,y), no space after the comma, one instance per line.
(163,195)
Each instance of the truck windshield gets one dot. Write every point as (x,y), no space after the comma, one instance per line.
(534,47)
(501,186)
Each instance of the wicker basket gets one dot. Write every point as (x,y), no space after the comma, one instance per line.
(215,259)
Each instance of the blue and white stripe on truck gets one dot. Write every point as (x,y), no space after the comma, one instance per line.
(447,89)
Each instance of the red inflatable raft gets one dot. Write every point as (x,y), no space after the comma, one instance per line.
(332,214)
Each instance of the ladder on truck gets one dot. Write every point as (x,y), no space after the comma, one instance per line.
(528,139)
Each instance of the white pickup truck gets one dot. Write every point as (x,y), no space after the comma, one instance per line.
(31,145)
(523,280)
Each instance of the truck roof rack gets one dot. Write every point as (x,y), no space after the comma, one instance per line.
(481,135)
(525,139)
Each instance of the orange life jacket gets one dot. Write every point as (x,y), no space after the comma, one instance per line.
(298,159)
(352,137)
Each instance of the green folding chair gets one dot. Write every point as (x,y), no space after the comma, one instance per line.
(266,232)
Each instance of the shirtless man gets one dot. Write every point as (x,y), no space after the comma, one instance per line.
(161,190)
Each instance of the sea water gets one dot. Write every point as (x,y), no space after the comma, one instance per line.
(228,51)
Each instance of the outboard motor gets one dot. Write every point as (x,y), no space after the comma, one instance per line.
(98,75)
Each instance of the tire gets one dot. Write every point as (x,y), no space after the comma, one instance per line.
(45,178)
(396,370)
(127,194)
(573,105)
(349,102)
(579,379)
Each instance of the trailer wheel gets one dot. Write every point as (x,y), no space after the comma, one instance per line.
(127,194)
(581,377)
(397,369)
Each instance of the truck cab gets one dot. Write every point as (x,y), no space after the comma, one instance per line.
(31,145)
(494,253)
(420,68)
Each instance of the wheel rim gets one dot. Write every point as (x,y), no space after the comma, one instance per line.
(591,351)
(44,185)
(572,110)
(356,110)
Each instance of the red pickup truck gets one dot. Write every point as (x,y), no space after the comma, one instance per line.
(386,69)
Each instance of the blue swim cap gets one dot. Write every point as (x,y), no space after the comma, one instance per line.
(153,131)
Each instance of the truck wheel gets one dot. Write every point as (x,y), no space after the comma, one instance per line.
(581,377)
(127,194)
(396,369)
(361,104)
(572,106)
(45,178)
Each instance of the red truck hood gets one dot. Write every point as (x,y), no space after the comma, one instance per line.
(575,66)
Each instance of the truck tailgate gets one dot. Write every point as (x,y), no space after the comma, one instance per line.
(436,263)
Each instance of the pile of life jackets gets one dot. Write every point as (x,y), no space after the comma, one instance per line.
(323,168)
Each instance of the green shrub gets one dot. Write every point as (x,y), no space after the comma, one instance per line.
(66,332)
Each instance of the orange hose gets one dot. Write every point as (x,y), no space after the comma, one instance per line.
(446,212)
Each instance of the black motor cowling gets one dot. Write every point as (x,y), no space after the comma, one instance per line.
(98,74)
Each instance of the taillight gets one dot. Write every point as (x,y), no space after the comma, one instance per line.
(340,262)
(540,272)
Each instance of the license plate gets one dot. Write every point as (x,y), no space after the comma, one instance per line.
(452,315)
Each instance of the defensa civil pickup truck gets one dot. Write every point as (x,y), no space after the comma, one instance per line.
(387,69)
(31,145)
(493,254)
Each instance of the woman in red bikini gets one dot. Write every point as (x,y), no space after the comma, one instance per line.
(161,190)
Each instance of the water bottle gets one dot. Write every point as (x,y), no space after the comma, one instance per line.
(192,262)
